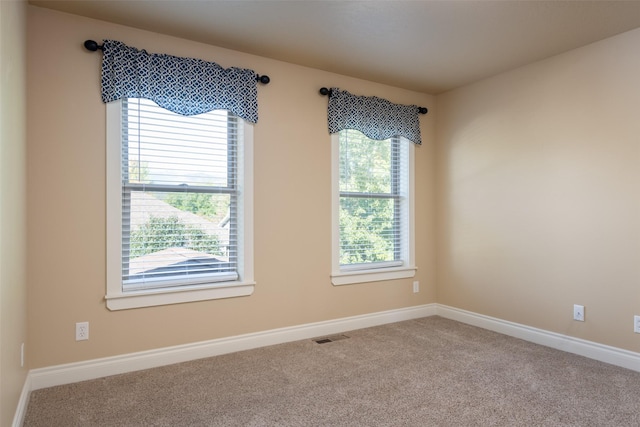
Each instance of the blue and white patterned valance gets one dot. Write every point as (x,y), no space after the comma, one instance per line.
(185,86)
(375,117)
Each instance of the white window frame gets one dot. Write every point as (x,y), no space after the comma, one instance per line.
(405,268)
(116,298)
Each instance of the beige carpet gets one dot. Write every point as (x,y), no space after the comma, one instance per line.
(424,372)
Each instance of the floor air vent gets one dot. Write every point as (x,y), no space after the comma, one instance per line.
(332,338)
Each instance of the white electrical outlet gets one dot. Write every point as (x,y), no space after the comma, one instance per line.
(416,287)
(636,324)
(82,331)
(578,312)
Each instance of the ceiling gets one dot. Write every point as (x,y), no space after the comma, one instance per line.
(427,46)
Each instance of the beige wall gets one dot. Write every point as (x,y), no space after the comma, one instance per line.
(536,209)
(539,193)
(66,203)
(13,284)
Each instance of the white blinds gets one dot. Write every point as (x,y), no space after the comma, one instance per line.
(179,197)
(372,199)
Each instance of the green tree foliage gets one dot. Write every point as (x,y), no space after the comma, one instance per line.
(161,233)
(210,206)
(138,172)
(200,241)
(365,164)
(198,203)
(366,230)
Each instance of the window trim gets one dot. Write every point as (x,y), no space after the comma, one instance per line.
(348,275)
(116,298)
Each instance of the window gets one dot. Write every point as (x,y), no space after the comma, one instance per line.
(372,208)
(179,212)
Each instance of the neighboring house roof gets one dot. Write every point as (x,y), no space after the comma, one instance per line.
(169,258)
(158,208)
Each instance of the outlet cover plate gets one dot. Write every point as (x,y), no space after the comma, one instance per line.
(82,331)
(578,312)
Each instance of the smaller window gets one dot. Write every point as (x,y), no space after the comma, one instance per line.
(372,208)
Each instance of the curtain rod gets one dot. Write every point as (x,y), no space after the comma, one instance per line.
(327,92)
(93,46)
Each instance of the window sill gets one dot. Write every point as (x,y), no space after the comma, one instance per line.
(124,301)
(373,275)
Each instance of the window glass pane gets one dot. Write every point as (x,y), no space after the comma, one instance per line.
(365,164)
(368,230)
(179,199)
(370,219)
(175,233)
(167,148)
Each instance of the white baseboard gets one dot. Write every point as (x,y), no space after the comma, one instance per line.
(604,353)
(97,368)
(23,402)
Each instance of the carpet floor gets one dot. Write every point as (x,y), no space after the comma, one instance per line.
(424,372)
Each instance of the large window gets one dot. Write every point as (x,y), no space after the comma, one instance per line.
(179,205)
(373,208)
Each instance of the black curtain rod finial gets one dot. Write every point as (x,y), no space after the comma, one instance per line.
(423,110)
(92,45)
(263,79)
